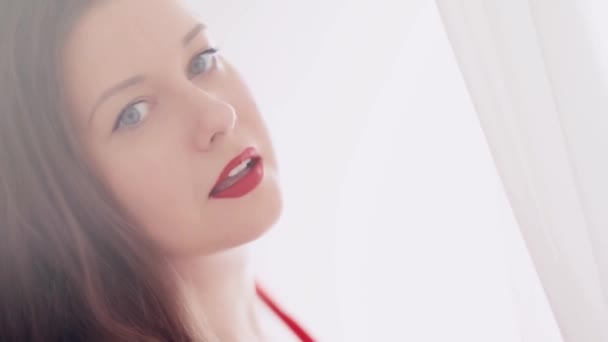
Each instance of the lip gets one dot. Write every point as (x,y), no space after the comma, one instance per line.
(246,183)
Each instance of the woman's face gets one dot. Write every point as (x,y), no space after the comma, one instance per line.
(161,116)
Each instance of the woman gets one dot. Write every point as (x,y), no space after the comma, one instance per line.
(134,169)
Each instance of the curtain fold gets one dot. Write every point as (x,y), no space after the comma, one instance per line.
(534,77)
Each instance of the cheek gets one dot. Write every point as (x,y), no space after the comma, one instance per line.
(162,199)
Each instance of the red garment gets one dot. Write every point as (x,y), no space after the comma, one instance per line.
(291,323)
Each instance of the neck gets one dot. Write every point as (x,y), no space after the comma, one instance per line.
(219,291)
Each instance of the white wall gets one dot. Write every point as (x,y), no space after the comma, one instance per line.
(396,226)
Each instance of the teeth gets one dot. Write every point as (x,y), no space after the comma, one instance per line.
(242,166)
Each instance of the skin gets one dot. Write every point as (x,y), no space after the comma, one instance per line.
(165,154)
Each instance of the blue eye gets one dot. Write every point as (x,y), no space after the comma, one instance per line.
(202,62)
(132,116)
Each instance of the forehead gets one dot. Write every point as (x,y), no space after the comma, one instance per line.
(116,39)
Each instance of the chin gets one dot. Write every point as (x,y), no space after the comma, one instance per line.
(264,214)
(246,219)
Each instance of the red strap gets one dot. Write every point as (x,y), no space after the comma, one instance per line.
(293,325)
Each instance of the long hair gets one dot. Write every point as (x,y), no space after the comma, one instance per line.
(73,265)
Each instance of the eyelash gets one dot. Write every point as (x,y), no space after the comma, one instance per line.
(212,52)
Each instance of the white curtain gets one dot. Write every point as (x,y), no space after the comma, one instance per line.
(536,72)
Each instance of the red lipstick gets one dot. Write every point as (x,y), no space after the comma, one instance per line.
(240,176)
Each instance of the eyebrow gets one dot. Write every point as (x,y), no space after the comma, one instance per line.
(192,33)
(131,81)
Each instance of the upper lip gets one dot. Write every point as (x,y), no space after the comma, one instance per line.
(249,152)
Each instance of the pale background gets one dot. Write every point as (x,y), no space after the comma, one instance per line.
(396,226)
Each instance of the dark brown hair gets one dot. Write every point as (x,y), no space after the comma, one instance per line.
(73,266)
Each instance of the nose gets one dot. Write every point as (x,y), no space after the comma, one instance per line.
(214,118)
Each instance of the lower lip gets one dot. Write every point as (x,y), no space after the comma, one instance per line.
(246,184)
